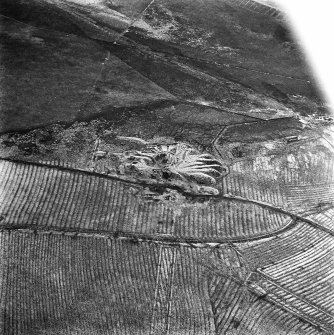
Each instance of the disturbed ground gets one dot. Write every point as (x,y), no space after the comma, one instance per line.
(79,76)
(204,120)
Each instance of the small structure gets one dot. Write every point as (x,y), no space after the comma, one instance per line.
(291,139)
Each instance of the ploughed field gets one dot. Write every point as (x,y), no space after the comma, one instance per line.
(62,284)
(93,245)
(248,268)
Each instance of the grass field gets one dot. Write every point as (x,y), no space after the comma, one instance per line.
(54,75)
(49,76)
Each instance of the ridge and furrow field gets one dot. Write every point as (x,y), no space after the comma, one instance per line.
(74,199)
(62,284)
